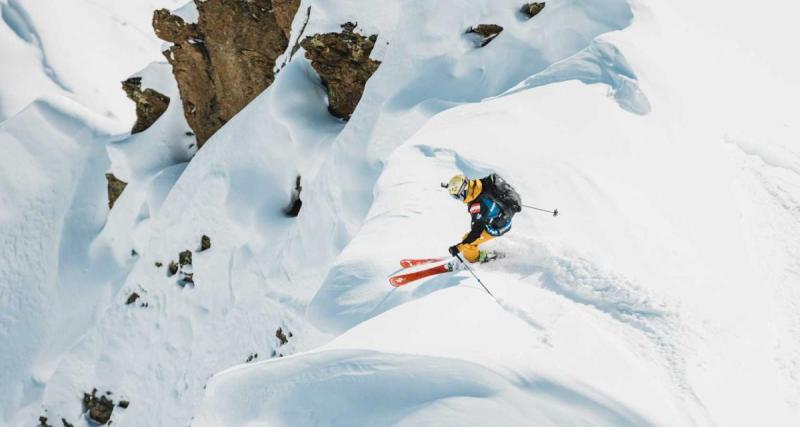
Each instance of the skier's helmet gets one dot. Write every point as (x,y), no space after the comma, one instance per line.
(457,187)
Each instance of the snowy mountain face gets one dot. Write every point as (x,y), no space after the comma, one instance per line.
(154,278)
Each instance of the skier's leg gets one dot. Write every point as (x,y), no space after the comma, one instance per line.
(471,251)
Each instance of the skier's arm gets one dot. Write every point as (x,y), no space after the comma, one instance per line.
(478,225)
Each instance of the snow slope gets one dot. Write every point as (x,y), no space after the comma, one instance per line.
(54,278)
(664,294)
(78,48)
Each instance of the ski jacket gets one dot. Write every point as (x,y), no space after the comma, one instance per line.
(486,213)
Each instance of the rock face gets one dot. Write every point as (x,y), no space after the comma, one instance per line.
(100,408)
(532,9)
(293,209)
(227,58)
(487,32)
(115,188)
(343,63)
(150,104)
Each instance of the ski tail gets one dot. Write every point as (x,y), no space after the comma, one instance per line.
(412,262)
(406,278)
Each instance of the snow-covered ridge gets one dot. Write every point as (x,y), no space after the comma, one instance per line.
(671,267)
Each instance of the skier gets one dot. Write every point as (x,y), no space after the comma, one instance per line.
(492,203)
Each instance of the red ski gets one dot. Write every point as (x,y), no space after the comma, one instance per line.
(406,278)
(411,262)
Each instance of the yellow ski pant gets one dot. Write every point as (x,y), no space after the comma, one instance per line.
(470,250)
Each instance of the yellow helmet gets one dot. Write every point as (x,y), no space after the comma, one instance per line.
(457,187)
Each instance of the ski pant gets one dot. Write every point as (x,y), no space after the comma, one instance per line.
(470,250)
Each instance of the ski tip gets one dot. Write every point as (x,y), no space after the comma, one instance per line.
(397,281)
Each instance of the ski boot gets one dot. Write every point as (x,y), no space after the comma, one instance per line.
(487,256)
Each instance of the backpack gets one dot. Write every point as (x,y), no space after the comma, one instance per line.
(505,194)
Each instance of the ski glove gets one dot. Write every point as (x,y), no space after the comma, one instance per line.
(453,250)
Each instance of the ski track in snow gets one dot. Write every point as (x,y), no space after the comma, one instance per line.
(583,283)
(779,181)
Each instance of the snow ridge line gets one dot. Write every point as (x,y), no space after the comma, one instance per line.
(17,19)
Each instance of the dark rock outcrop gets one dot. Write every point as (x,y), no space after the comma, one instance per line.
(172,269)
(294,203)
(205,243)
(227,58)
(487,32)
(115,188)
(150,104)
(99,408)
(532,9)
(343,63)
(132,298)
(66,423)
(185,258)
(43,422)
(281,336)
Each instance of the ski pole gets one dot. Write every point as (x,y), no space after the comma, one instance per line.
(474,275)
(554,212)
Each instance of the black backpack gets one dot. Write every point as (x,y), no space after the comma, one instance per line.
(505,194)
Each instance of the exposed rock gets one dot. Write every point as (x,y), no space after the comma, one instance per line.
(150,104)
(115,188)
(158,264)
(43,422)
(172,269)
(100,408)
(66,423)
(281,336)
(487,32)
(343,63)
(532,9)
(185,258)
(132,298)
(123,404)
(227,58)
(205,243)
(251,358)
(284,11)
(294,203)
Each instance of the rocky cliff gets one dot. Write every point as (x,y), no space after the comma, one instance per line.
(343,63)
(225,59)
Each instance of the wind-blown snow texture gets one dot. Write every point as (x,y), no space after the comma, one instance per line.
(666,293)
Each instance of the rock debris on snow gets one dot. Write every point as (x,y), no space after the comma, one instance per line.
(132,298)
(487,32)
(532,9)
(172,268)
(115,188)
(99,408)
(293,209)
